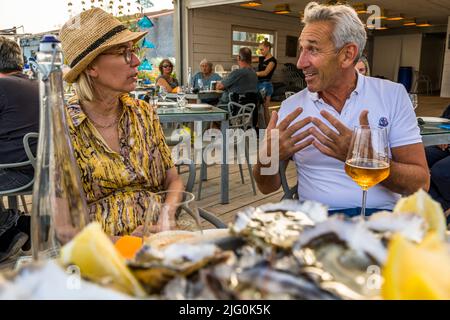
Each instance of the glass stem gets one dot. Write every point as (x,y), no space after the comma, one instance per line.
(363,207)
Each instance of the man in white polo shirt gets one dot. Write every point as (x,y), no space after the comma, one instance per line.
(315,125)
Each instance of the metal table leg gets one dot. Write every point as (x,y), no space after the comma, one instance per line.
(224,169)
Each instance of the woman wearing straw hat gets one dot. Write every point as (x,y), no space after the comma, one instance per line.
(118,142)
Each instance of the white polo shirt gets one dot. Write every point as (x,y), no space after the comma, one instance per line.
(323,178)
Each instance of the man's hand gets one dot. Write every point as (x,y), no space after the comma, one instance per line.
(443,147)
(288,142)
(328,141)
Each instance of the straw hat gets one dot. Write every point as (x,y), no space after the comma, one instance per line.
(87,35)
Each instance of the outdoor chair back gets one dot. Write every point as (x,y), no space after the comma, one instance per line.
(26,189)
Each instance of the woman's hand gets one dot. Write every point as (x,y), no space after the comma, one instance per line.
(138,232)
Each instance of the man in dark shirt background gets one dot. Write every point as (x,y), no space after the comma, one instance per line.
(242,80)
(19,114)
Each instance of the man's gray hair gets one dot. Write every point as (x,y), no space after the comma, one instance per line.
(205,61)
(10,56)
(348,28)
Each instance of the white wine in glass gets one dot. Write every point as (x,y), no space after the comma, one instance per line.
(368,159)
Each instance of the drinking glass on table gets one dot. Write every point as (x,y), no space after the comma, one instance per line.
(162,93)
(181,97)
(368,159)
(171,210)
(414,100)
(200,84)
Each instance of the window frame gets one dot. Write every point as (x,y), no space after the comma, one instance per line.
(239,28)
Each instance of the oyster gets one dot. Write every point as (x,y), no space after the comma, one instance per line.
(342,256)
(154,268)
(277,225)
(355,235)
(264,282)
(413,227)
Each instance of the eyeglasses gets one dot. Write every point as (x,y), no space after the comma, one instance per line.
(167,66)
(127,53)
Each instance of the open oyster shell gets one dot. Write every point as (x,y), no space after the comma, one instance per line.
(154,268)
(277,224)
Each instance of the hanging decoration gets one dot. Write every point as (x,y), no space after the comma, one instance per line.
(118,8)
(129,12)
(145,23)
(148,44)
(145,66)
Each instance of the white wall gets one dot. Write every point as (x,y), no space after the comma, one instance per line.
(211,34)
(392,52)
(445,87)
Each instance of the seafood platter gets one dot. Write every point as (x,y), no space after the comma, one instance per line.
(285,250)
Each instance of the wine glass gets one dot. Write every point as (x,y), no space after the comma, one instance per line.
(368,159)
(200,85)
(171,210)
(162,94)
(181,96)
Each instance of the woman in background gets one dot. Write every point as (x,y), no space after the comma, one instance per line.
(166,80)
(266,68)
(362,66)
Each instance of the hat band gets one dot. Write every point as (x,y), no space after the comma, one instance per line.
(98,43)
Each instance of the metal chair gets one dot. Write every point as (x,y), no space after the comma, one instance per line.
(287,94)
(26,189)
(289,192)
(240,117)
(295,78)
(422,78)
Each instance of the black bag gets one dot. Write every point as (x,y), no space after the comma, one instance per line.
(14,233)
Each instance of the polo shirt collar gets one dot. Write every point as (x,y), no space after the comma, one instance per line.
(359,88)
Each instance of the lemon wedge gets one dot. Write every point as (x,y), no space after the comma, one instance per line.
(417,271)
(422,204)
(98,260)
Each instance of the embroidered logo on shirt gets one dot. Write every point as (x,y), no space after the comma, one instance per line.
(383,122)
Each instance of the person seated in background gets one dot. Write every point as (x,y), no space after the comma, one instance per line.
(438,158)
(118,141)
(242,80)
(202,79)
(362,66)
(165,79)
(19,115)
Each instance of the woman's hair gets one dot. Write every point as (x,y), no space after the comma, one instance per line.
(10,56)
(162,63)
(348,28)
(84,87)
(364,60)
(266,44)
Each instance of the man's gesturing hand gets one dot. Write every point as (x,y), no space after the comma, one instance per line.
(332,143)
(288,141)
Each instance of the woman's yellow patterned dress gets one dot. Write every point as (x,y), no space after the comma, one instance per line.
(118,186)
